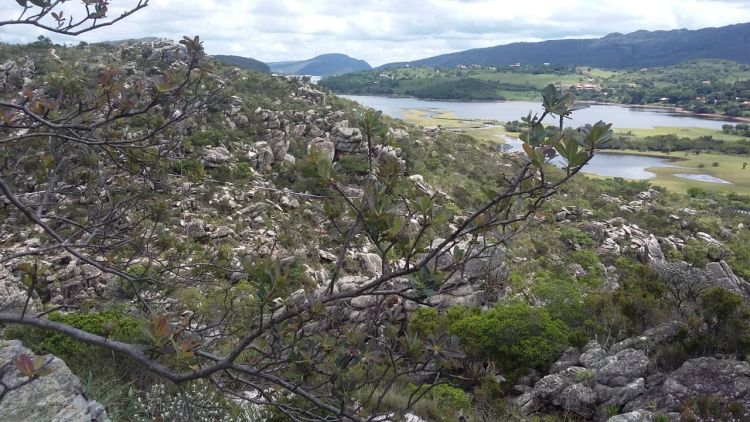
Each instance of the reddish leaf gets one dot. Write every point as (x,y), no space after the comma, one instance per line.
(25,365)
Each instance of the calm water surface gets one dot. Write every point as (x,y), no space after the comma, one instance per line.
(622,116)
(604,164)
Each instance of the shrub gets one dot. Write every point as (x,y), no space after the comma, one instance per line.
(448,401)
(514,336)
(425,321)
(354,164)
(113,323)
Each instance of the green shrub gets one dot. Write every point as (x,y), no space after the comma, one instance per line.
(189,168)
(513,335)
(113,323)
(425,321)
(576,237)
(354,164)
(442,402)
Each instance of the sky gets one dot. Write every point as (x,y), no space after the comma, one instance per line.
(383,31)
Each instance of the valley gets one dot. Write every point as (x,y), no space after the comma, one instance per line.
(187,236)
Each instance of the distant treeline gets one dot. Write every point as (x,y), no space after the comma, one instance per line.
(742,129)
(673,143)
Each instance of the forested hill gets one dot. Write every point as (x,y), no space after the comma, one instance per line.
(323,65)
(616,51)
(243,62)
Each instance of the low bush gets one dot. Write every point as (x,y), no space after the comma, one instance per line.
(515,336)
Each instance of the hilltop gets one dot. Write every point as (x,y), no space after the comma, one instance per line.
(323,65)
(243,62)
(614,51)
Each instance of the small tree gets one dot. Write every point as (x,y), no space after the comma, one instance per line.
(371,124)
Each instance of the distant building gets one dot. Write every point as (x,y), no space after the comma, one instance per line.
(516,65)
(706,82)
(546,64)
(663,99)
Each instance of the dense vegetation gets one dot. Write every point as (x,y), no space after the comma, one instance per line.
(617,51)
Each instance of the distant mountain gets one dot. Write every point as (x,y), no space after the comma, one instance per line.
(323,65)
(615,51)
(243,62)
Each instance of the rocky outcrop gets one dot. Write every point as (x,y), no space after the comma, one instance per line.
(724,380)
(720,274)
(589,381)
(216,157)
(57,396)
(618,236)
(312,95)
(347,139)
(13,296)
(322,147)
(261,156)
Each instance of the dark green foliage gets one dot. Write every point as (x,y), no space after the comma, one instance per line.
(442,402)
(513,335)
(354,164)
(673,143)
(113,324)
(189,168)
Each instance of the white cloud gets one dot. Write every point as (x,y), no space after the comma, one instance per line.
(389,30)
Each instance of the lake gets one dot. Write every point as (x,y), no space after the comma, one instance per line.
(604,163)
(610,164)
(624,117)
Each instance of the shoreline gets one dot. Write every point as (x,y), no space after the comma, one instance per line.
(672,109)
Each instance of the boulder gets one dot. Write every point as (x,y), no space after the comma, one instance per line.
(371,264)
(624,366)
(346,139)
(721,274)
(322,147)
(58,396)
(579,399)
(279,142)
(261,156)
(216,157)
(195,228)
(636,416)
(652,251)
(725,380)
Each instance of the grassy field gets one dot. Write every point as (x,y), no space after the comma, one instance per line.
(683,132)
(727,167)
